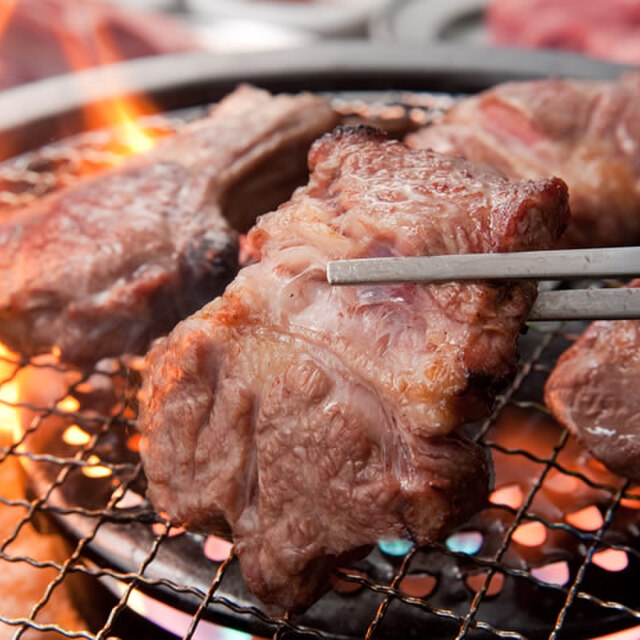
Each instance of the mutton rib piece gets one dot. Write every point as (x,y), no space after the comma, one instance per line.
(103,267)
(594,390)
(588,133)
(314,420)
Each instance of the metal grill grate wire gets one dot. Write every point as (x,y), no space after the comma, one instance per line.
(33,175)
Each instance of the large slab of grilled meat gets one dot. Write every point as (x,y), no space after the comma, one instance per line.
(588,133)
(101,268)
(594,391)
(313,420)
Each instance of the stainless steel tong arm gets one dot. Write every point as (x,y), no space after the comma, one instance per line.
(538,265)
(588,304)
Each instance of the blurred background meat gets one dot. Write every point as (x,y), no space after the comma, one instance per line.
(588,133)
(609,29)
(41,38)
(596,28)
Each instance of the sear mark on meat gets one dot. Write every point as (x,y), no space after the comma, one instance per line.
(588,133)
(105,266)
(594,391)
(316,420)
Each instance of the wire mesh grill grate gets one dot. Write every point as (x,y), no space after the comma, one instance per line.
(555,554)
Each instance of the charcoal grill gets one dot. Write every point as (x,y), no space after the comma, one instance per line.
(556,554)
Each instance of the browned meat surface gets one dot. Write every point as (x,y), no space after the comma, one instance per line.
(594,391)
(588,133)
(316,420)
(103,267)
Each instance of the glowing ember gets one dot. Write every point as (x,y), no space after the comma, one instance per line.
(44,360)
(107,366)
(555,573)
(596,464)
(117,409)
(84,387)
(633,502)
(397,547)
(418,585)
(588,519)
(611,560)
(347,587)
(629,634)
(233,634)
(561,483)
(217,549)
(530,534)
(69,404)
(418,116)
(469,542)
(96,470)
(75,436)
(130,500)
(95,383)
(509,496)
(136,362)
(159,528)
(129,413)
(475,583)
(133,443)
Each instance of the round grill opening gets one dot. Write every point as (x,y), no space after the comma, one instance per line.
(554,554)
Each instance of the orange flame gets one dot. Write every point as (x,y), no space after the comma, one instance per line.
(122,112)
(7,7)
(134,136)
(9,418)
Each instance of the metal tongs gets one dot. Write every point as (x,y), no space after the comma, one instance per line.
(565,304)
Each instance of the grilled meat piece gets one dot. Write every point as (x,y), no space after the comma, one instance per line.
(101,32)
(588,133)
(314,420)
(594,391)
(103,267)
(600,29)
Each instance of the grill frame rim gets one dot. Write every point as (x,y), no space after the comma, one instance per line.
(29,113)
